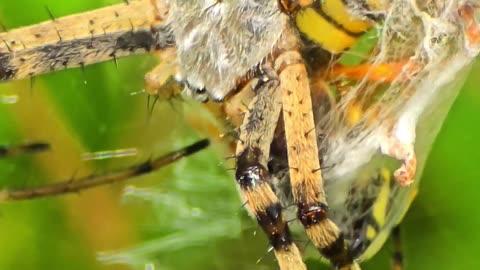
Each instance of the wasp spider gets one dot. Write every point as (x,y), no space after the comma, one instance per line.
(308,126)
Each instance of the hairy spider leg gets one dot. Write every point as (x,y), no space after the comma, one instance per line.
(103,179)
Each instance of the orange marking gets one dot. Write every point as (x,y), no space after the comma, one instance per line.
(472,29)
(388,72)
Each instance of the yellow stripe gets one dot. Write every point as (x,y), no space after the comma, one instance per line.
(337,10)
(319,30)
(354,113)
(371,233)
(379,211)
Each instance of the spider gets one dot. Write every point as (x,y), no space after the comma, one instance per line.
(273,50)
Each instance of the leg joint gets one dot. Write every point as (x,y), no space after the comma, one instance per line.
(249,171)
(274,226)
(338,253)
(311,214)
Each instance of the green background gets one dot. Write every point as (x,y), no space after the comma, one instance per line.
(186,216)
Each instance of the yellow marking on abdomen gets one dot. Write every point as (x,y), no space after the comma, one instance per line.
(379,211)
(321,31)
(330,24)
(337,10)
(380,206)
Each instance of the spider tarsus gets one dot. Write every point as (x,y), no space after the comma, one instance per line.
(397,256)
(80,184)
(29,148)
(36,147)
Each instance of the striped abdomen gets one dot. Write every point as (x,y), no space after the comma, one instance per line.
(335,25)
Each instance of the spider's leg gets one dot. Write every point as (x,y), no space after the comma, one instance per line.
(97,180)
(27,148)
(304,165)
(397,256)
(253,148)
(82,39)
(160,77)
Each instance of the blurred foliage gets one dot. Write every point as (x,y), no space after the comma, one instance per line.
(187,215)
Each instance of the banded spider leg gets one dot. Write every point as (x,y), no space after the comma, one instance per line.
(287,89)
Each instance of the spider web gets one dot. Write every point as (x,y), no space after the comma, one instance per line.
(427,40)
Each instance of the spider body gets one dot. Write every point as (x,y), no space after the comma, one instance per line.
(298,143)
